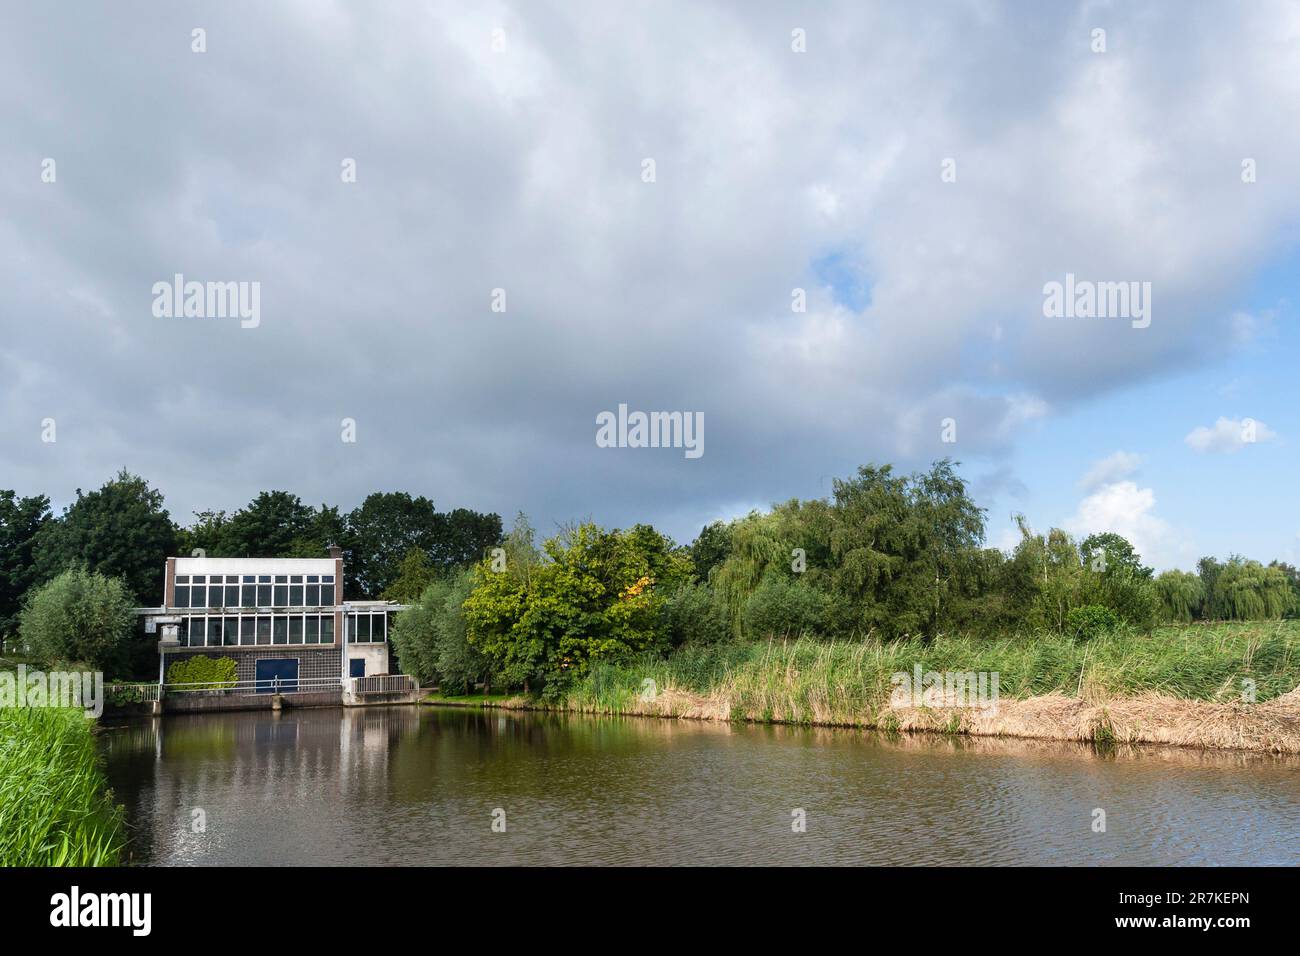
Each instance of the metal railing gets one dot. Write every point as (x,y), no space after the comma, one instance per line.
(273,685)
(147,692)
(383,684)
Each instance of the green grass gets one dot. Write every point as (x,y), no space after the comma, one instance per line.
(808,680)
(55,809)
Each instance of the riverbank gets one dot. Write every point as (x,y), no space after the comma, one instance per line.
(1229,686)
(55,808)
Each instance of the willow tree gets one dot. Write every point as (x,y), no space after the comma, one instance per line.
(1248,591)
(1181,594)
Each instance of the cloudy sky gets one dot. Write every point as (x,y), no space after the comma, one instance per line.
(921,171)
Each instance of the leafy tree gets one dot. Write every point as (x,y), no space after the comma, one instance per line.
(381,532)
(691,614)
(1181,594)
(785,606)
(1248,591)
(599,597)
(121,530)
(21,522)
(902,546)
(414,575)
(206,535)
(1293,575)
(430,639)
(79,617)
(710,548)
(1208,569)
(1117,553)
(273,525)
(462,537)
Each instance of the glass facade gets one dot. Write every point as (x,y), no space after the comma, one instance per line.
(262,629)
(367,627)
(254,591)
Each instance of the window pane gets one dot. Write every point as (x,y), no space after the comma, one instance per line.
(230,632)
(313,629)
(264,595)
(295,595)
(214,596)
(282,579)
(295,630)
(379,628)
(182,596)
(182,579)
(247,630)
(327,629)
(214,632)
(281,631)
(264,630)
(313,596)
(249,596)
(281,596)
(196,632)
(352,628)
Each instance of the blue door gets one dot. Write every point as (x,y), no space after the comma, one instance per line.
(356,667)
(271,668)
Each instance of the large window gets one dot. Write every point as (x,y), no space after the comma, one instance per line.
(281,598)
(248,592)
(295,590)
(182,597)
(264,590)
(367,628)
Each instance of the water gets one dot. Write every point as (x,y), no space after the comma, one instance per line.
(419,785)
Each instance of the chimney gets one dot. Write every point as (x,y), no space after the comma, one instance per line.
(335,552)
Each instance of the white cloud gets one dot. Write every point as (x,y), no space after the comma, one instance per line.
(1112,468)
(1126,509)
(1228,435)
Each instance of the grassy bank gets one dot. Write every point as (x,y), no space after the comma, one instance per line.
(55,809)
(1181,685)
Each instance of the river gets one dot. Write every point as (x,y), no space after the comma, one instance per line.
(421,785)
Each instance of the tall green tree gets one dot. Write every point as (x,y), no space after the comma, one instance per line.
(381,532)
(121,530)
(273,525)
(21,522)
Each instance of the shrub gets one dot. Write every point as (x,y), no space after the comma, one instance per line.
(80,616)
(782,606)
(206,672)
(693,614)
(1090,621)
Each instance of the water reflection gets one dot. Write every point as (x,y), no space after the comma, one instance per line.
(386,786)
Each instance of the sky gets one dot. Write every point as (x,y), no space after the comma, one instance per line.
(649,190)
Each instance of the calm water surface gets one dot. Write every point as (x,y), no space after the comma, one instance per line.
(418,785)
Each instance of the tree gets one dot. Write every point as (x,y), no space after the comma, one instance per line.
(429,637)
(599,597)
(21,522)
(414,575)
(1181,594)
(462,536)
(79,617)
(121,530)
(381,532)
(1116,552)
(903,546)
(274,525)
(711,547)
(1248,591)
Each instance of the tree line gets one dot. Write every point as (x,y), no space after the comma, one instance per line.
(887,556)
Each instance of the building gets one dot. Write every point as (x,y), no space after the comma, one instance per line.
(282,620)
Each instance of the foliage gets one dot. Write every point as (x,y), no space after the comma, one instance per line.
(1249,591)
(207,673)
(1180,594)
(1089,621)
(710,548)
(55,808)
(121,530)
(430,637)
(691,615)
(21,522)
(80,616)
(785,606)
(599,595)
(414,575)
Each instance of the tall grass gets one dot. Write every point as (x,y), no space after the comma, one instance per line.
(55,809)
(806,681)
